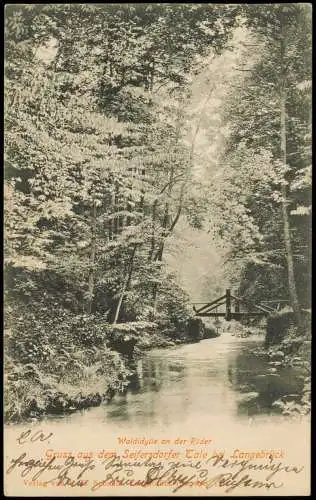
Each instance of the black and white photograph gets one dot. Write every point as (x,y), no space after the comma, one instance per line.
(157,249)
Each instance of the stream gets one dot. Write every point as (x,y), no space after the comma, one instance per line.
(222,377)
(195,400)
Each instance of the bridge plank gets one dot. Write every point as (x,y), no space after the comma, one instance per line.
(215,315)
(209,304)
(209,309)
(234,315)
(263,309)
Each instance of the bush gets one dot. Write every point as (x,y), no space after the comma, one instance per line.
(278,325)
(52,358)
(287,346)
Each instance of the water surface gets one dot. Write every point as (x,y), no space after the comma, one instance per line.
(222,377)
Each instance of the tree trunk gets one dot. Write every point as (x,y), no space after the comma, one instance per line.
(285,216)
(119,305)
(142,197)
(285,213)
(92,260)
(159,253)
(116,209)
(152,74)
(153,239)
(125,285)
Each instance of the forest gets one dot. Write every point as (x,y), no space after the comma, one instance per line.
(155,154)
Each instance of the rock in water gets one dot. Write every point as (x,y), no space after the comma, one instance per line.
(277,356)
(247,397)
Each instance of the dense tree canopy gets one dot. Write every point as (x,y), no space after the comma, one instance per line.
(97,170)
(264,192)
(133,129)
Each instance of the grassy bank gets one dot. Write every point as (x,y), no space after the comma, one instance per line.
(59,366)
(65,362)
(288,346)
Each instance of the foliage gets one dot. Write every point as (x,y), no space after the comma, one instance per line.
(96,171)
(294,351)
(279,325)
(60,356)
(110,157)
(261,199)
(95,167)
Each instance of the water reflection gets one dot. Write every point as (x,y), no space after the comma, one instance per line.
(216,377)
(250,375)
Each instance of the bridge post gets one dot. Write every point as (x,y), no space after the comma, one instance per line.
(228,306)
(237,306)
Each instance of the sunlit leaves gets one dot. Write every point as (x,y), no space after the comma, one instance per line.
(262,179)
(95,124)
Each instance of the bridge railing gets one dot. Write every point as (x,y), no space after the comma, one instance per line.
(210,309)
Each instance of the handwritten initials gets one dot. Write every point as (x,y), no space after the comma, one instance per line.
(29,437)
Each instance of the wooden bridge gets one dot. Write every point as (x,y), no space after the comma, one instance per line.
(232,308)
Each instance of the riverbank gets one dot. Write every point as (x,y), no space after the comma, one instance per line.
(287,349)
(56,376)
(56,372)
(295,353)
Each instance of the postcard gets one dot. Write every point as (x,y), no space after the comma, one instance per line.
(157,335)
